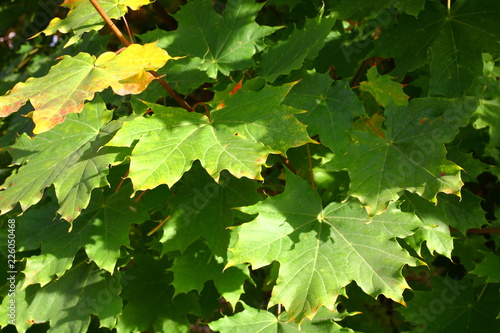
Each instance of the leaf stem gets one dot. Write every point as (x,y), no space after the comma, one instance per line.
(125,42)
(376,130)
(128,29)
(159,226)
(110,23)
(121,181)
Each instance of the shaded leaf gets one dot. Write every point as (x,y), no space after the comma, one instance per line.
(69,157)
(331,107)
(68,302)
(204,208)
(197,265)
(148,293)
(489,268)
(102,229)
(452,39)
(452,306)
(460,213)
(225,42)
(289,54)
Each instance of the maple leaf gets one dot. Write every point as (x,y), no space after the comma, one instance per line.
(204,208)
(452,39)
(460,213)
(83,17)
(187,274)
(102,229)
(331,107)
(460,309)
(320,251)
(408,155)
(76,79)
(237,137)
(383,88)
(68,302)
(290,54)
(69,157)
(225,42)
(150,301)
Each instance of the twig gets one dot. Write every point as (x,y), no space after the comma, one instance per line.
(140,196)
(128,30)
(172,93)
(159,225)
(311,172)
(121,181)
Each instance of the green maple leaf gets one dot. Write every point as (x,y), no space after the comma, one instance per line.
(69,157)
(225,42)
(102,229)
(320,251)
(290,54)
(409,154)
(453,40)
(150,300)
(83,17)
(204,208)
(76,79)
(331,107)
(460,213)
(188,275)
(239,135)
(489,268)
(68,302)
(384,89)
(453,306)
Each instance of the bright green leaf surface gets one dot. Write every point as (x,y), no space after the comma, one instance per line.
(408,155)
(69,157)
(321,250)
(331,107)
(238,137)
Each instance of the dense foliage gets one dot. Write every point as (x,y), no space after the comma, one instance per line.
(250,166)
